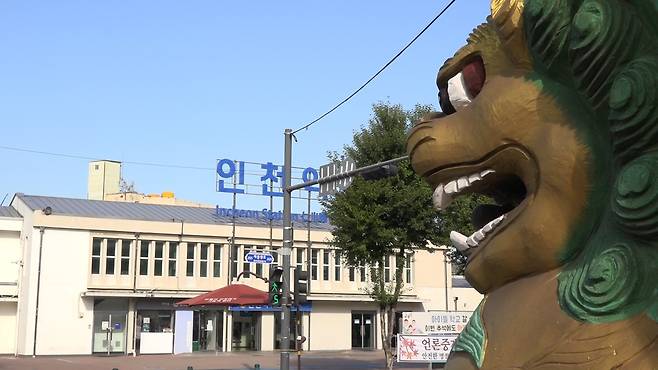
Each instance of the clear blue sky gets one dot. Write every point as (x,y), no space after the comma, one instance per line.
(188,82)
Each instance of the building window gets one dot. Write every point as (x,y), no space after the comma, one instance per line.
(217,260)
(110,255)
(235,250)
(314,264)
(259,266)
(351,273)
(245,265)
(96,256)
(300,258)
(189,270)
(173,250)
(158,260)
(144,257)
(362,273)
(125,257)
(203,268)
(387,269)
(407,269)
(325,265)
(337,271)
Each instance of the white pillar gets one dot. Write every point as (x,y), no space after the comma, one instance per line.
(267,331)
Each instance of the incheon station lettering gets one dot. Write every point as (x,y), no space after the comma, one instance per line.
(266,214)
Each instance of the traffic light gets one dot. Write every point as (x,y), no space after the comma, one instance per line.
(387,170)
(274,286)
(301,286)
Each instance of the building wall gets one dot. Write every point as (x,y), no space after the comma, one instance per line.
(10,256)
(467,299)
(330,325)
(62,311)
(27,281)
(104,178)
(8,327)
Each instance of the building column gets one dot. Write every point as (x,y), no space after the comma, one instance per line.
(229,330)
(130,327)
(306,330)
(267,331)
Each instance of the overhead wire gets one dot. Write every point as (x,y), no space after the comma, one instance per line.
(137,163)
(305,127)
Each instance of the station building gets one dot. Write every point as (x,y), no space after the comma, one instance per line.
(84,276)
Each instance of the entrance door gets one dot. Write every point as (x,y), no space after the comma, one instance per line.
(245,331)
(109,332)
(362,330)
(208,328)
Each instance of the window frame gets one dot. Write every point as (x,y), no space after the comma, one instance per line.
(144,259)
(96,258)
(190,261)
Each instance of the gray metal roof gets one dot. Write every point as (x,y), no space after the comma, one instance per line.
(142,212)
(9,212)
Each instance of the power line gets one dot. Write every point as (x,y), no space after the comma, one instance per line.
(137,163)
(378,72)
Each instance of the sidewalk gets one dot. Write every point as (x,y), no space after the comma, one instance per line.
(343,360)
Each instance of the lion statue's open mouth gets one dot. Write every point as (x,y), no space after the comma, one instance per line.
(551,111)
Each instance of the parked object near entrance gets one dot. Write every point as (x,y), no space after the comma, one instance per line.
(230,295)
(551,109)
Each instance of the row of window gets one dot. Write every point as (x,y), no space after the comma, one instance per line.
(156,258)
(160,258)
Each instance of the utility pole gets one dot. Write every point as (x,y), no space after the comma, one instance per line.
(285,252)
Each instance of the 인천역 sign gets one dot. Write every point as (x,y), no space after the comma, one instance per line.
(259,257)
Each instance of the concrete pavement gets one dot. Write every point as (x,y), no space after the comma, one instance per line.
(343,360)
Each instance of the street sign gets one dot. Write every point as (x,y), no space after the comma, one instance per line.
(259,257)
(331,169)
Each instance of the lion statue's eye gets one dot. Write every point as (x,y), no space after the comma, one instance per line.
(463,87)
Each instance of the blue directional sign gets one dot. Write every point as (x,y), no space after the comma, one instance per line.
(259,257)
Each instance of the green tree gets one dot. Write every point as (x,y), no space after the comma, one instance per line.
(374,220)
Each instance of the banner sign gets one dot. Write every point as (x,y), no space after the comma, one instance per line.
(433,323)
(425,348)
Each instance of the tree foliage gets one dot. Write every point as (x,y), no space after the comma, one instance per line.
(374,219)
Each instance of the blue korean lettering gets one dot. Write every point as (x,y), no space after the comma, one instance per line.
(271,174)
(310,174)
(226,170)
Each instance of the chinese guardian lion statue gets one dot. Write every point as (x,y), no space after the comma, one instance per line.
(551,110)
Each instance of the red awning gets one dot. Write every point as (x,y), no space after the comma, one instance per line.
(231,295)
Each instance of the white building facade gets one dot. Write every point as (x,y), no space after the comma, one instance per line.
(80,277)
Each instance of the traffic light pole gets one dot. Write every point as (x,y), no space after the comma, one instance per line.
(287,233)
(285,252)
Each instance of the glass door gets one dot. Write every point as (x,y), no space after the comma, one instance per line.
(208,328)
(245,331)
(362,330)
(109,332)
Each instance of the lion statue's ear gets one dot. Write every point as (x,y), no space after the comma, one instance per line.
(507,18)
